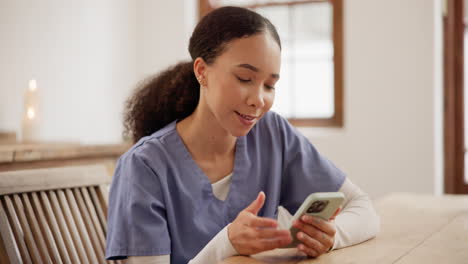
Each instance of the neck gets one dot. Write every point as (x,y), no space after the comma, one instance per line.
(206,144)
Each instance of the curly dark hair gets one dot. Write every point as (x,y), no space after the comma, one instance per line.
(174,93)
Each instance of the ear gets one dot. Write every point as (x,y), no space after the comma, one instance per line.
(200,69)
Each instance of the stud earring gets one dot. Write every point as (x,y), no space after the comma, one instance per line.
(200,80)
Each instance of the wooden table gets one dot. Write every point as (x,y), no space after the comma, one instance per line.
(414,229)
(45,155)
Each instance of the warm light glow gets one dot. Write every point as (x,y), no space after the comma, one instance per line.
(31,113)
(32,85)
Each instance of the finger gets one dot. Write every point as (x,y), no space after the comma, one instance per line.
(309,251)
(315,233)
(257,204)
(322,225)
(336,213)
(272,233)
(260,222)
(311,242)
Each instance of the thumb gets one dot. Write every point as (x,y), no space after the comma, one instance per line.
(257,204)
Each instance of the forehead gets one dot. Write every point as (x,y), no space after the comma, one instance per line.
(260,50)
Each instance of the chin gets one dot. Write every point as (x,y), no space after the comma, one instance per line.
(239,133)
(237,129)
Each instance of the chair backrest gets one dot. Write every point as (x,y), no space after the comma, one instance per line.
(54,215)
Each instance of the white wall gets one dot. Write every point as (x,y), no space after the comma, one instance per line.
(82,54)
(87,56)
(164,29)
(392,135)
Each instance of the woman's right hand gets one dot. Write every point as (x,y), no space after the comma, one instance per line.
(250,234)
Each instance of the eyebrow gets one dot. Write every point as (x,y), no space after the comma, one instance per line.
(255,69)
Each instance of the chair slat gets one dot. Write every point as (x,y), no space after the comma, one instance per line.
(94,217)
(103,192)
(72,226)
(89,225)
(64,228)
(99,208)
(100,200)
(84,236)
(17,230)
(32,247)
(43,224)
(35,230)
(55,228)
(8,237)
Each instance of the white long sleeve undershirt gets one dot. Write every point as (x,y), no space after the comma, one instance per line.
(357,209)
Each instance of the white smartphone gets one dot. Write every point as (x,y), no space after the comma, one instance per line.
(320,204)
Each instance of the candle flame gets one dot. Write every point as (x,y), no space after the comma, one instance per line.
(31,113)
(32,85)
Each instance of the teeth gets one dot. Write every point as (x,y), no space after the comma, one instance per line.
(246,117)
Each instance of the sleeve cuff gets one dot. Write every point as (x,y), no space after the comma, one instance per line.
(219,248)
(229,248)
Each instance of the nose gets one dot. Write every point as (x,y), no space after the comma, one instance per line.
(256,98)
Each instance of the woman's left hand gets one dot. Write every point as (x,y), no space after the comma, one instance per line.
(316,235)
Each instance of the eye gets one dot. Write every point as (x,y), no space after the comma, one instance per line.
(243,80)
(269,87)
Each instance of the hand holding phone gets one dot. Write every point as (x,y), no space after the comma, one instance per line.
(321,204)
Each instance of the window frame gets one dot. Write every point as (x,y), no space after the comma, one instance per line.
(337,120)
(454,142)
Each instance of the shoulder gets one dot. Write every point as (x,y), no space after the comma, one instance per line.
(271,118)
(271,121)
(274,125)
(151,149)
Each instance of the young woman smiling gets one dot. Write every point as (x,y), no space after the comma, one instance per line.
(213,172)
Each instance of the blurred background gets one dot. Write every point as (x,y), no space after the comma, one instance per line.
(362,79)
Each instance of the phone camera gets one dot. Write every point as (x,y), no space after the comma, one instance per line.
(317,207)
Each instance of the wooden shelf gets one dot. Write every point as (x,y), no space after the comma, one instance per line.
(27,156)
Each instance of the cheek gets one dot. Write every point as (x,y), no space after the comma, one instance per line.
(225,93)
(230,91)
(269,100)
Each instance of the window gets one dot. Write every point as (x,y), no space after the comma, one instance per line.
(310,91)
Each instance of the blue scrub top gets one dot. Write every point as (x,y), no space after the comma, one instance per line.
(162,203)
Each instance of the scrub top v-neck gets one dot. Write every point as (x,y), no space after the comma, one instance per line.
(238,175)
(162,203)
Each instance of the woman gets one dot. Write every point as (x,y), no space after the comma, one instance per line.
(212,164)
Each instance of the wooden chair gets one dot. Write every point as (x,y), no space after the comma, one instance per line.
(54,215)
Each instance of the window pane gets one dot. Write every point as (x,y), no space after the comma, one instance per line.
(313,21)
(306,88)
(279,16)
(313,97)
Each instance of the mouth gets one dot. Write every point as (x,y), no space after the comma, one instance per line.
(246,120)
(246,117)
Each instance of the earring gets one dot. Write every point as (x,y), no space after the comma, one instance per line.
(200,80)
